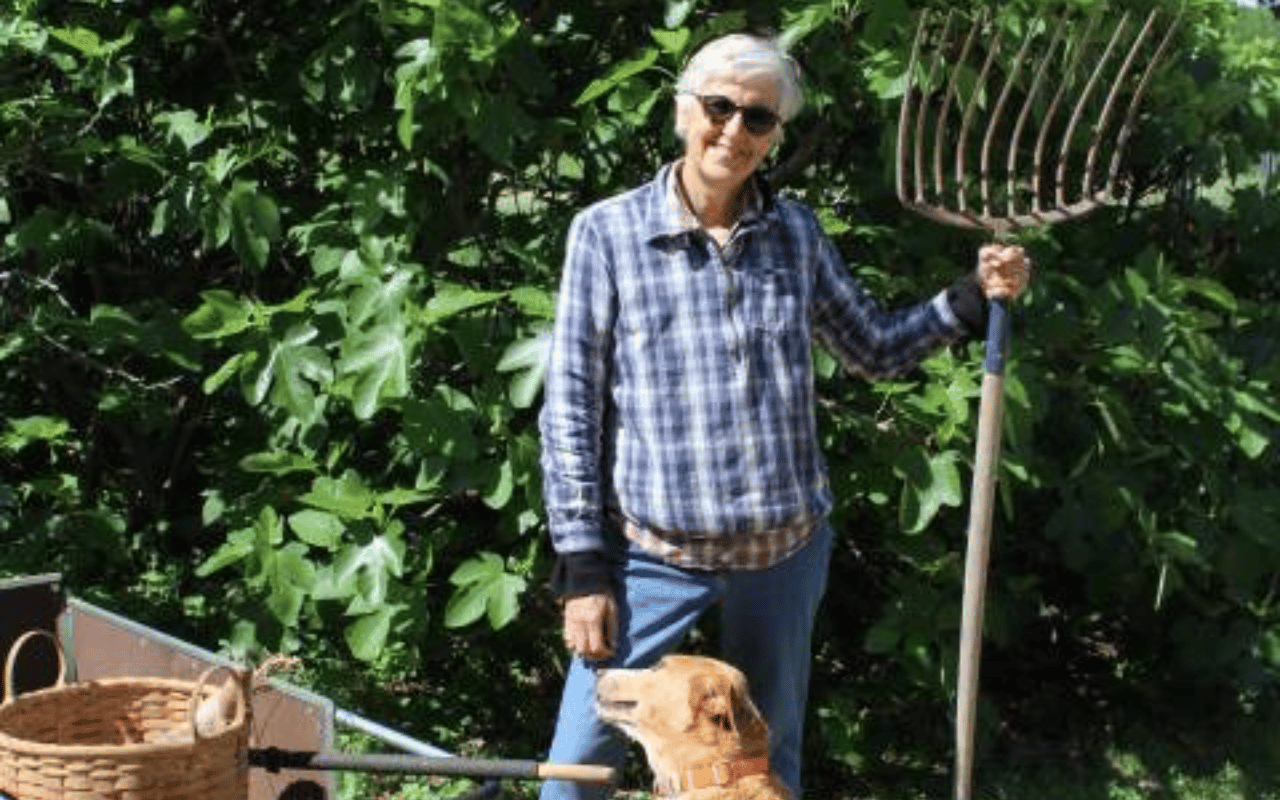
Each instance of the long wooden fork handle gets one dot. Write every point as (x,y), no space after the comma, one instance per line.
(985,464)
(581,773)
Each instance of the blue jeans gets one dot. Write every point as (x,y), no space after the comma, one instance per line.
(766,631)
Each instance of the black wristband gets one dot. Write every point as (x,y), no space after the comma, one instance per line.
(583,572)
(969,304)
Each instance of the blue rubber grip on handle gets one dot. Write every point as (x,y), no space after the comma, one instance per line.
(997,336)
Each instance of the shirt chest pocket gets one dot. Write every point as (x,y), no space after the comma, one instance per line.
(774,300)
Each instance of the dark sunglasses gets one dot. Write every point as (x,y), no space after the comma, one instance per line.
(720,109)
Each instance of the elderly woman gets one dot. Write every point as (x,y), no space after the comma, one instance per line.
(680,455)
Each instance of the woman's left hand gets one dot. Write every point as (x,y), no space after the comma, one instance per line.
(1003,270)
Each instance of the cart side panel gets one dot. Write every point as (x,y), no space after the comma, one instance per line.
(30,603)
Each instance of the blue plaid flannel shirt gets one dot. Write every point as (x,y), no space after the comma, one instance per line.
(680,387)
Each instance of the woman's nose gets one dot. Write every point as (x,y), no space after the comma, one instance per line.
(733,125)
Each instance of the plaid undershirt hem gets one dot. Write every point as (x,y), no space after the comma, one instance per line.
(753,551)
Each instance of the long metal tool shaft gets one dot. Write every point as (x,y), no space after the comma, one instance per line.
(274,759)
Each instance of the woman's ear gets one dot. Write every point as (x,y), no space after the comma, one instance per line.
(685,107)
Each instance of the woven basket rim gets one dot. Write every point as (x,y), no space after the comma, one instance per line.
(10,743)
(167,683)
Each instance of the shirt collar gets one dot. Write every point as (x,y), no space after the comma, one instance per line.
(671,217)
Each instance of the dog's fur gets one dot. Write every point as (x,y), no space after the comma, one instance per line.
(692,713)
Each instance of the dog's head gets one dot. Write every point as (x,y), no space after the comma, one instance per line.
(683,710)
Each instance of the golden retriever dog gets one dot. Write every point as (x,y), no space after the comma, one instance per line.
(702,735)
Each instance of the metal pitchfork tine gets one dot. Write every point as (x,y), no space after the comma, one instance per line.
(924,143)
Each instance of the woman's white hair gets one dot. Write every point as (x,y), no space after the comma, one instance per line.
(739,56)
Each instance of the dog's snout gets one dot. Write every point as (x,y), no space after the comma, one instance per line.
(604,685)
(611,694)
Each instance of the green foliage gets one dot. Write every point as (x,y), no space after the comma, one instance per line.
(275,290)
(487,589)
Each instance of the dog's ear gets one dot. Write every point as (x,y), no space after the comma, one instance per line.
(711,704)
(752,730)
(722,708)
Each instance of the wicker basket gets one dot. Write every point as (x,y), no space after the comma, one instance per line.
(118,739)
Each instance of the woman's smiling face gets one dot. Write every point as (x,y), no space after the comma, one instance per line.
(723,156)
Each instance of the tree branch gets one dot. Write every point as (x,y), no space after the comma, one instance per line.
(801,157)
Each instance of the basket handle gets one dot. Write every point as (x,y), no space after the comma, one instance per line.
(13,657)
(193,708)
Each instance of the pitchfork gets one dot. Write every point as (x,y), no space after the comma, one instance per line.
(1027,175)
